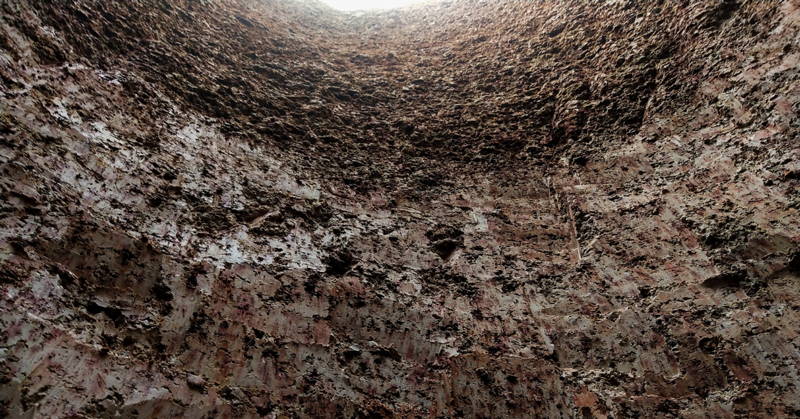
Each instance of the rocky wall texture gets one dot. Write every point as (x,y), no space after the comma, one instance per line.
(461,209)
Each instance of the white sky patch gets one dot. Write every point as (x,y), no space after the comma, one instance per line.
(351,5)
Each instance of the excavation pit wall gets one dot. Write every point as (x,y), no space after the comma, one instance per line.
(459,209)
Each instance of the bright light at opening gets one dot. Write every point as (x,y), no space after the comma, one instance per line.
(350,5)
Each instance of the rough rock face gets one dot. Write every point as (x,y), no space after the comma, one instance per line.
(460,209)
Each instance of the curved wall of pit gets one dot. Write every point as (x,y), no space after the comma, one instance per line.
(459,209)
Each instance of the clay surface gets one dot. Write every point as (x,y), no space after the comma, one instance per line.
(460,209)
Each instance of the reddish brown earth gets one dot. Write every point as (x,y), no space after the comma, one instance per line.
(546,209)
